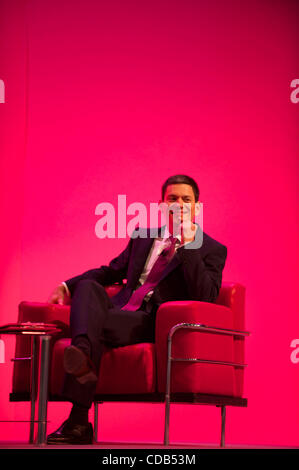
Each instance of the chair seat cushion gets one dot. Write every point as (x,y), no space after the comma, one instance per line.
(128,369)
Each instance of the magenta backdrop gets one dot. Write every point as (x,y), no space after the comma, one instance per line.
(108,98)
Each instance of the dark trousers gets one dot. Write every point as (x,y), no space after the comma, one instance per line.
(96,322)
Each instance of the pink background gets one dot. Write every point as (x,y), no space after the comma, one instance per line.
(108,98)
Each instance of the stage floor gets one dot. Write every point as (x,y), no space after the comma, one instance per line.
(116,445)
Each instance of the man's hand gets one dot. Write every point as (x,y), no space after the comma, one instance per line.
(187,231)
(60,296)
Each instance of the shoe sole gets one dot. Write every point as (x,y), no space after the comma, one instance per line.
(75,361)
(57,442)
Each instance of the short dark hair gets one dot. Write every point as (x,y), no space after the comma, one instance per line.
(181,179)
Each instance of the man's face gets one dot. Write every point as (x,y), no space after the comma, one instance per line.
(181,198)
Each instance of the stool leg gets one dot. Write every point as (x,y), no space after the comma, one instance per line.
(96,420)
(43,388)
(223,416)
(33,388)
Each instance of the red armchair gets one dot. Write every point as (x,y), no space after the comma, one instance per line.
(197,357)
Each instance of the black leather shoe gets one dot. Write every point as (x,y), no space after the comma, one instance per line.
(70,433)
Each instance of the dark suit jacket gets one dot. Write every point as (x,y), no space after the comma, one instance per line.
(192,274)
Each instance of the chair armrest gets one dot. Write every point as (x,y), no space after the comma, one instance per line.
(186,342)
(53,313)
(191,343)
(193,311)
(44,312)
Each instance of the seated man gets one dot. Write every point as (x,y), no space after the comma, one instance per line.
(157,270)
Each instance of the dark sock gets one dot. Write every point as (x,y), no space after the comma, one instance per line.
(78,414)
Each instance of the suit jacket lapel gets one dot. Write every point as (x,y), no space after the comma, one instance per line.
(170,267)
(176,260)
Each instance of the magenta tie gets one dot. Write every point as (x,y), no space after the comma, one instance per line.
(153,277)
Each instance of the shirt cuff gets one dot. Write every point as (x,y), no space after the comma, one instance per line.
(66,288)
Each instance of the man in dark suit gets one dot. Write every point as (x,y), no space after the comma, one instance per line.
(184,264)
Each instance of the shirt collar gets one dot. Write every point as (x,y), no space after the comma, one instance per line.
(165,234)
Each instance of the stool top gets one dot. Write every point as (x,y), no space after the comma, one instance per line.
(29,328)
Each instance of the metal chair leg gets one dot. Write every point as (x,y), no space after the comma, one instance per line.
(167,394)
(223,416)
(166,423)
